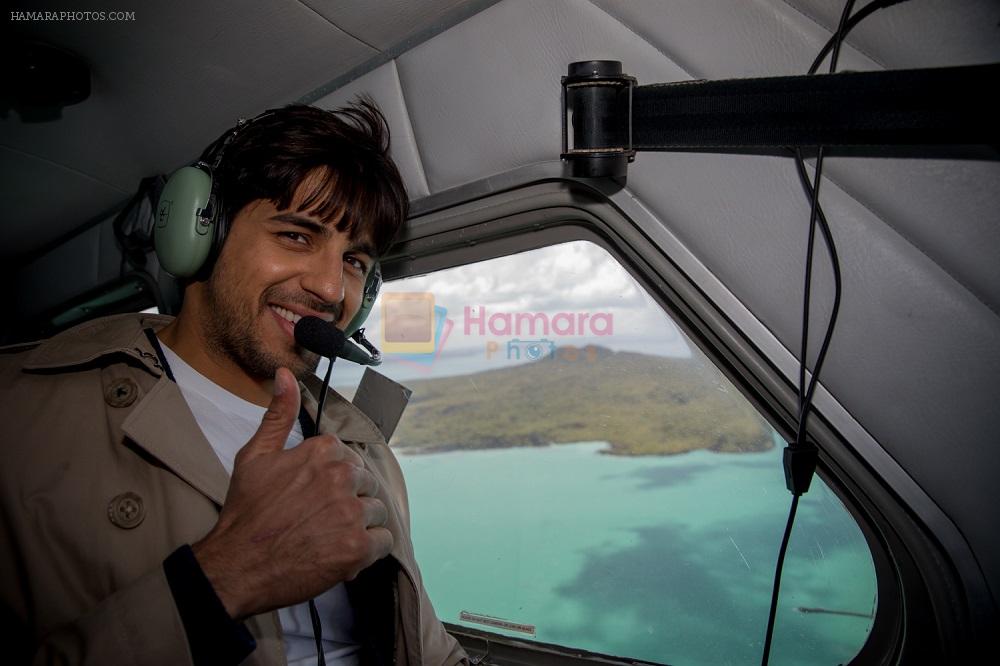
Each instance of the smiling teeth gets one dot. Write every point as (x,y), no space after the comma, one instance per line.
(287,314)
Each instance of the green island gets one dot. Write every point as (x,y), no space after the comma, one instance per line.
(640,404)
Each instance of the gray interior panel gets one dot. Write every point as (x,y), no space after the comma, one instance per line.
(497,106)
(730,38)
(898,37)
(28,204)
(383,85)
(951,212)
(400,17)
(46,282)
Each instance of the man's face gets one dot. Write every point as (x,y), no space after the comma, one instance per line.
(275,267)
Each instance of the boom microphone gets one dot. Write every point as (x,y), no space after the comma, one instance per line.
(325,339)
(320,337)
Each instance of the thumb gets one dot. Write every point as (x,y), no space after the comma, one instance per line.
(279,418)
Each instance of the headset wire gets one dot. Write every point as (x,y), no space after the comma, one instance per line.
(317,625)
(805,394)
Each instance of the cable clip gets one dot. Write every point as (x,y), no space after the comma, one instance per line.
(800,464)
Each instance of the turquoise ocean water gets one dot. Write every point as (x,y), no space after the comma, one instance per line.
(668,559)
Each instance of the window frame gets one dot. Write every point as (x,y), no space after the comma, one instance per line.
(541,214)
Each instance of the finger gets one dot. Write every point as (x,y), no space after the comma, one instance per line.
(330,448)
(375,513)
(349,455)
(279,418)
(366,485)
(381,540)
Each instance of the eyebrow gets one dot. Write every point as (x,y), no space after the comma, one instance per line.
(302,222)
(309,224)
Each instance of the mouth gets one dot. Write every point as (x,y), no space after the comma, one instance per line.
(287,319)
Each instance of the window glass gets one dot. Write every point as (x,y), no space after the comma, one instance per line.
(580,473)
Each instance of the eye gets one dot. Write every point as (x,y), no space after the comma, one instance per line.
(358,263)
(294,236)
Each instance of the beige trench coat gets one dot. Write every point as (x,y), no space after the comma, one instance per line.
(104,472)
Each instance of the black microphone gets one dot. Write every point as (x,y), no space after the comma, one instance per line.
(320,337)
(327,340)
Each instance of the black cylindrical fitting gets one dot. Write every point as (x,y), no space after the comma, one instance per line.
(596,122)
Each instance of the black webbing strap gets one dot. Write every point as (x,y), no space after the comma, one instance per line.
(945,106)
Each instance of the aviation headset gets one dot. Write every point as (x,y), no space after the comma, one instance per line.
(191,223)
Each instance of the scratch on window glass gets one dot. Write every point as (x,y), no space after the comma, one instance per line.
(740,552)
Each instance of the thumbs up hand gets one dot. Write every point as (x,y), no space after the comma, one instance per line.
(295,522)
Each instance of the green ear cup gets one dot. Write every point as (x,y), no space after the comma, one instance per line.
(372,284)
(184,232)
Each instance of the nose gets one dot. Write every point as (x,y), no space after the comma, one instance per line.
(324,278)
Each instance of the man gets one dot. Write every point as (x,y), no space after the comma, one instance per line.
(162,500)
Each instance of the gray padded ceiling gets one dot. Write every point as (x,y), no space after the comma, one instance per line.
(382,84)
(731,38)
(963,31)
(777,37)
(396,19)
(484,96)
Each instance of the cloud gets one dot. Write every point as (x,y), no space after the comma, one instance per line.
(577,276)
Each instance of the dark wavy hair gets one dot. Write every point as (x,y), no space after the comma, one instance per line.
(360,186)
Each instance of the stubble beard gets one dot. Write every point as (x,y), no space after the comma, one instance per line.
(232,330)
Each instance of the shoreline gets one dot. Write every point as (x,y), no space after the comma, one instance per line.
(608,449)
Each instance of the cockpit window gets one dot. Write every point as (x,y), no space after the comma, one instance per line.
(581,474)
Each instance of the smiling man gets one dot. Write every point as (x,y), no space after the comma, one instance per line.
(238,326)
(165,500)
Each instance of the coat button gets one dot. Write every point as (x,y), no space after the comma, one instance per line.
(126,510)
(121,392)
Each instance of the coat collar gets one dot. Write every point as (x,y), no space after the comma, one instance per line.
(90,341)
(123,334)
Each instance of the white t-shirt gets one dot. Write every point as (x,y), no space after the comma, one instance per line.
(228,422)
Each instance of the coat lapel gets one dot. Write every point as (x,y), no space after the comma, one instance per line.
(161,423)
(163,426)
